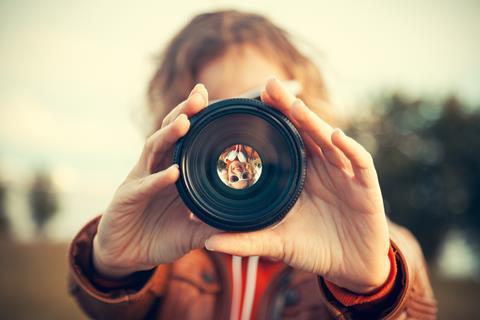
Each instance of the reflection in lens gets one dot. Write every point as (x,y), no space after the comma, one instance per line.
(239,166)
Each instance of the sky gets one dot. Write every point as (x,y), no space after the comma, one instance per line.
(73,76)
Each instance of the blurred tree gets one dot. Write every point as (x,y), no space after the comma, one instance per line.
(43,199)
(3,207)
(427,155)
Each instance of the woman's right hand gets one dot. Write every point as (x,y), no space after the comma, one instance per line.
(147,224)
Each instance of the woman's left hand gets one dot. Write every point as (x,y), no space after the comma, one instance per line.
(337,228)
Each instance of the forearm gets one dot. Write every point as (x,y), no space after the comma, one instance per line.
(104,298)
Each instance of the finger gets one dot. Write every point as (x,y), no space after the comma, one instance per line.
(279,97)
(319,131)
(354,151)
(153,183)
(311,146)
(284,101)
(298,113)
(265,97)
(196,101)
(164,139)
(199,232)
(361,159)
(257,243)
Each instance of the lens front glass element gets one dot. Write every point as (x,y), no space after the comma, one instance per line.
(239,166)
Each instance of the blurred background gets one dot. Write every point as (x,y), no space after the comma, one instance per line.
(404,76)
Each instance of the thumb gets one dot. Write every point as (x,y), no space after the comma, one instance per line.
(258,243)
(152,184)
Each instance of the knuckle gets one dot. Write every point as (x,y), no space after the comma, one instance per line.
(142,186)
(299,101)
(176,130)
(145,184)
(272,89)
(251,245)
(165,121)
(278,245)
(247,241)
(149,143)
(368,157)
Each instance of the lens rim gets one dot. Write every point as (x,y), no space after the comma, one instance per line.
(239,106)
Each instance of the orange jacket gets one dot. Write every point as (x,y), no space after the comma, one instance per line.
(203,285)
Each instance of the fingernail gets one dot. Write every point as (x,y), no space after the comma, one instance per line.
(181,115)
(340,132)
(176,165)
(195,88)
(199,95)
(207,246)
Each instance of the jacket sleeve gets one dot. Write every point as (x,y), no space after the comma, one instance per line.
(133,297)
(407,295)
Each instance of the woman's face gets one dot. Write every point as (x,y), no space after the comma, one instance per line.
(240,69)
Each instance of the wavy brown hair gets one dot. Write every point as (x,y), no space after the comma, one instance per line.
(208,36)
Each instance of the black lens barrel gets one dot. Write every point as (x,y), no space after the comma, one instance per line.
(281,150)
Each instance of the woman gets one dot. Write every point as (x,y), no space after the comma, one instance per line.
(334,256)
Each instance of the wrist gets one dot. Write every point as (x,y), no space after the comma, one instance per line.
(370,283)
(374,282)
(348,297)
(104,267)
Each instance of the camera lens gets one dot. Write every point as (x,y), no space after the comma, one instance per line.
(242,165)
